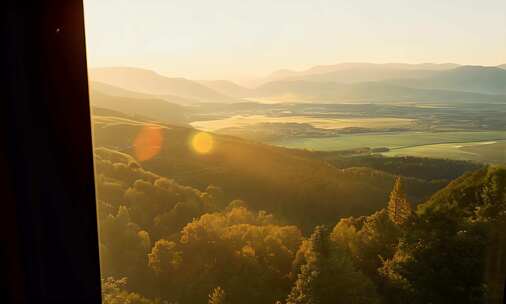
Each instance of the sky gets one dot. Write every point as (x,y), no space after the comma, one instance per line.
(242,39)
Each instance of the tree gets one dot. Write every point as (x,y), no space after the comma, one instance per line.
(440,260)
(246,253)
(370,240)
(451,252)
(164,257)
(492,213)
(399,209)
(114,292)
(328,275)
(124,247)
(218,296)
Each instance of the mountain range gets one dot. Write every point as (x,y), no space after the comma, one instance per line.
(353,72)
(364,92)
(346,82)
(479,79)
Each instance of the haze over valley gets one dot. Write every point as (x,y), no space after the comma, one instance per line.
(361,179)
(449,110)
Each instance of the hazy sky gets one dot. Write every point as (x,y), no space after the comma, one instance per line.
(236,39)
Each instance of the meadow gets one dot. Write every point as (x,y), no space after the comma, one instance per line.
(481,151)
(466,145)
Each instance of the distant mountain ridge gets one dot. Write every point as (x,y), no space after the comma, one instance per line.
(227,87)
(342,68)
(346,82)
(478,79)
(380,82)
(150,82)
(289,91)
(362,75)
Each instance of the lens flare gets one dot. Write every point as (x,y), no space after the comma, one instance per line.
(202,143)
(148,142)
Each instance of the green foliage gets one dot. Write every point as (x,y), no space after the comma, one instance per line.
(408,166)
(124,245)
(442,260)
(217,296)
(328,275)
(245,252)
(370,241)
(138,209)
(446,251)
(164,257)
(301,188)
(399,209)
(179,243)
(157,204)
(114,292)
(173,244)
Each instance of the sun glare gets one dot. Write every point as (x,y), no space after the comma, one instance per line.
(148,142)
(202,142)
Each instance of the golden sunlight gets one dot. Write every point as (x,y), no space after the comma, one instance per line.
(202,142)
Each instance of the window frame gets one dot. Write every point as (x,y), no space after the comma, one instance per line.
(49,251)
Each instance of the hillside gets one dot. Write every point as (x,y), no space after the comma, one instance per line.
(458,235)
(306,91)
(111,90)
(149,82)
(456,239)
(299,189)
(104,88)
(148,108)
(153,229)
(468,193)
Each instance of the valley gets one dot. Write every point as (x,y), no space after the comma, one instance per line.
(430,130)
(207,187)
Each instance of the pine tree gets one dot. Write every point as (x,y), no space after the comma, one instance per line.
(217,296)
(303,292)
(399,208)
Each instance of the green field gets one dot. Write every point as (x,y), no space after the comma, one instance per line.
(490,152)
(479,145)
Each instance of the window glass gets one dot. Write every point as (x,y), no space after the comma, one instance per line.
(299,151)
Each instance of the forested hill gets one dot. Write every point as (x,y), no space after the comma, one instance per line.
(243,221)
(451,250)
(457,240)
(470,193)
(154,229)
(298,189)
